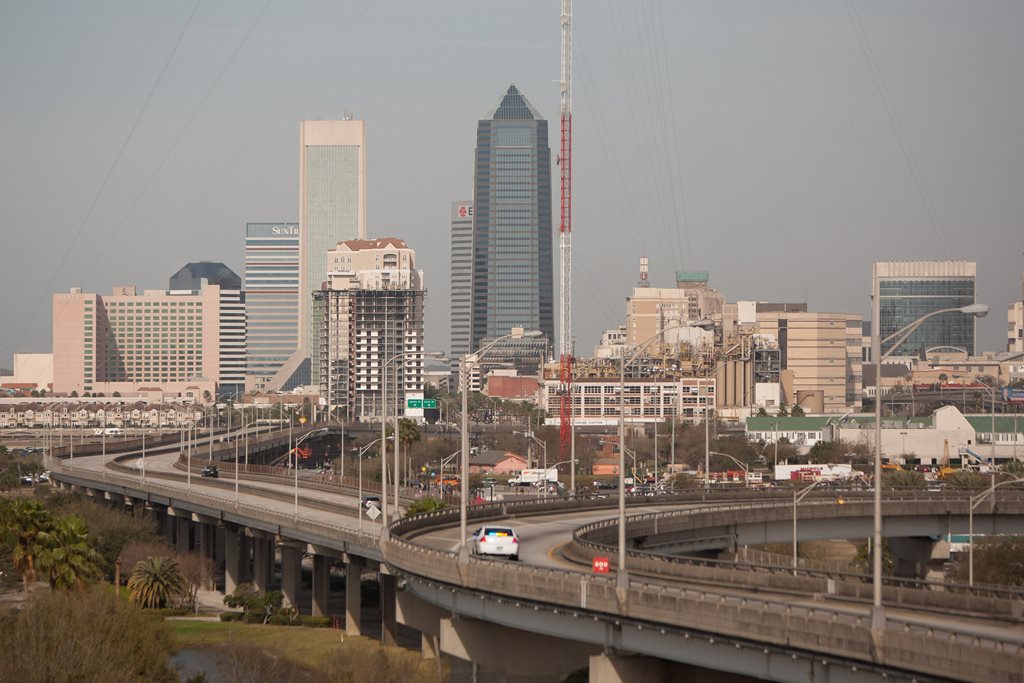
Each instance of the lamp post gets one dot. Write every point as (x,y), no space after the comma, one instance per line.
(295,462)
(383,428)
(464,367)
(797,497)
(978,310)
(745,468)
(975,502)
(359,457)
(622,581)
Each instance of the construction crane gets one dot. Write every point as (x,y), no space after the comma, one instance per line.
(565,243)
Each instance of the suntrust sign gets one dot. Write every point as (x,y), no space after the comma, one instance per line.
(285,230)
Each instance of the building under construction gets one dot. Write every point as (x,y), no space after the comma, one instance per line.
(369,315)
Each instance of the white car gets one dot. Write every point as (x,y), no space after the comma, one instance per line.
(496,540)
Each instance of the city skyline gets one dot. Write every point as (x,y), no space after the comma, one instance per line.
(801,157)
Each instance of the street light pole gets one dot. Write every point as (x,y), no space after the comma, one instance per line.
(979,310)
(797,497)
(464,365)
(622,580)
(975,501)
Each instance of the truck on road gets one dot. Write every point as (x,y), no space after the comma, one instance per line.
(534,477)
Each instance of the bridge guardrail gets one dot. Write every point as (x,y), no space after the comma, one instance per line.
(827,628)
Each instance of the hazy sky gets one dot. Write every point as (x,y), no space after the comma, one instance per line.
(781,145)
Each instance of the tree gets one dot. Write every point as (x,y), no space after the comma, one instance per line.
(761,412)
(74,394)
(67,555)
(83,636)
(256,606)
(996,561)
(22,523)
(798,411)
(782,411)
(965,479)
(155,581)
(408,433)
(116,394)
(904,479)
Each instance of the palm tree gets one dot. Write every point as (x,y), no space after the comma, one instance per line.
(68,555)
(965,479)
(408,432)
(904,479)
(155,580)
(22,522)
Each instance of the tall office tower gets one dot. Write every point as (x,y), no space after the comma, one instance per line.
(909,290)
(461,283)
(332,209)
(271,299)
(193,277)
(512,255)
(370,311)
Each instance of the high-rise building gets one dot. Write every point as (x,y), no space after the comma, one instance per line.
(909,290)
(332,209)
(194,277)
(461,282)
(170,339)
(271,299)
(512,250)
(370,311)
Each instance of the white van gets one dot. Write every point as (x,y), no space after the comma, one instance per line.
(113,431)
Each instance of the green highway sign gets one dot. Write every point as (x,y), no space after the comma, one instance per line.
(421,403)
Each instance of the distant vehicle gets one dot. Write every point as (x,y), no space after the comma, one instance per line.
(112,431)
(371,502)
(534,477)
(605,485)
(211,471)
(496,540)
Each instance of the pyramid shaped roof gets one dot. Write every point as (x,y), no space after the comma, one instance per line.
(514,106)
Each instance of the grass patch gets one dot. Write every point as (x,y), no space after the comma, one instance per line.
(301,645)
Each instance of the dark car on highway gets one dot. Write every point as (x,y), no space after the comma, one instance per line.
(211,471)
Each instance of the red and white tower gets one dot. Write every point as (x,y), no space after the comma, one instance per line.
(565,244)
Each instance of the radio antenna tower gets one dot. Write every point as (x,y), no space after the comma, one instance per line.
(565,244)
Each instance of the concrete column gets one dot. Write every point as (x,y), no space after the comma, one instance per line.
(262,549)
(207,533)
(232,559)
(291,571)
(245,559)
(428,646)
(388,622)
(354,596)
(181,536)
(617,669)
(321,584)
(918,558)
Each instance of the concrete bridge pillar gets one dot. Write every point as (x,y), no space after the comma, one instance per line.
(182,532)
(291,572)
(627,669)
(354,596)
(918,557)
(321,584)
(262,562)
(244,558)
(207,534)
(551,658)
(388,620)
(232,559)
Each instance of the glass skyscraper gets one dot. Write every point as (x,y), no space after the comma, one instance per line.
(512,283)
(272,289)
(909,290)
